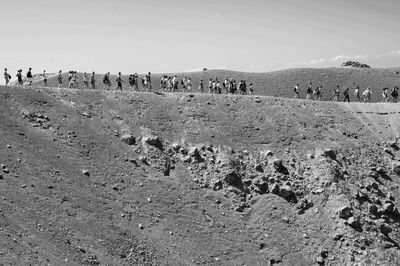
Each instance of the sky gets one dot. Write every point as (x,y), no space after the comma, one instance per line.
(167,36)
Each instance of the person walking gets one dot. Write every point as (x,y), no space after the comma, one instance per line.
(367,95)
(201,86)
(60,79)
(93,81)
(29,77)
(210,86)
(385,96)
(357,93)
(336,94)
(309,92)
(20,81)
(346,95)
(85,80)
(44,82)
(251,89)
(395,94)
(119,82)
(7,76)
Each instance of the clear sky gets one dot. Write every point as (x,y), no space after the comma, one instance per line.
(183,35)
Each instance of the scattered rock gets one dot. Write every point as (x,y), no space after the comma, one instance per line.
(396,168)
(329,153)
(345,212)
(194,153)
(5,168)
(153,141)
(85,172)
(232,178)
(278,165)
(286,192)
(128,139)
(259,168)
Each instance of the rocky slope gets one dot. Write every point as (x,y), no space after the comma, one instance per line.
(103,178)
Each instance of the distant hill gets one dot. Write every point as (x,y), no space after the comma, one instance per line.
(281,83)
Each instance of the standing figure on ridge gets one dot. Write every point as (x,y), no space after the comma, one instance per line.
(296,92)
(395,94)
(309,92)
(7,76)
(336,94)
(201,86)
(60,79)
(119,82)
(93,81)
(85,80)
(357,93)
(251,89)
(346,95)
(367,95)
(29,77)
(385,96)
(20,81)
(44,82)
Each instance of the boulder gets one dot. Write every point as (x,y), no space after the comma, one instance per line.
(275,189)
(329,153)
(259,168)
(128,139)
(396,168)
(194,153)
(286,192)
(153,141)
(345,212)
(85,172)
(278,165)
(232,178)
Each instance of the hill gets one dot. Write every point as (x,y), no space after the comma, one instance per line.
(104,178)
(281,83)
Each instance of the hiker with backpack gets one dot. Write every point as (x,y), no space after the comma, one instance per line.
(251,89)
(296,92)
(385,96)
(71,81)
(346,95)
(85,80)
(395,94)
(189,84)
(319,93)
(60,79)
(357,94)
(131,81)
(119,82)
(29,77)
(201,86)
(336,94)
(20,81)
(367,95)
(93,81)
(175,84)
(106,81)
(210,86)
(7,76)
(309,92)
(44,82)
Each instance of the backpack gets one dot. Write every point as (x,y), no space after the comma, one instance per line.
(9,76)
(105,79)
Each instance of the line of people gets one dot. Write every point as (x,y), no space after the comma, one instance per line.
(365,96)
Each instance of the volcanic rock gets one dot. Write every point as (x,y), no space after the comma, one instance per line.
(345,212)
(128,139)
